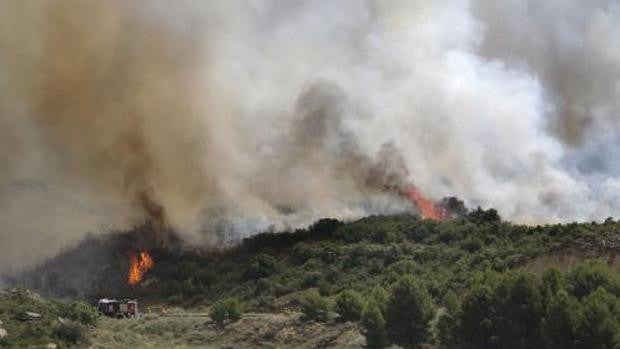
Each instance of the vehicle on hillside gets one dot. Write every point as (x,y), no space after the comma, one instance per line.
(118,309)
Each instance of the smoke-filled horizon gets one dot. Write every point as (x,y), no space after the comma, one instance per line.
(222,118)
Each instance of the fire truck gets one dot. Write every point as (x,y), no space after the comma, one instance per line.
(118,309)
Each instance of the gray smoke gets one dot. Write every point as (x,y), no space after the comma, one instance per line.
(224,118)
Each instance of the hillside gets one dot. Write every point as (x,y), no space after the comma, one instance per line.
(454,280)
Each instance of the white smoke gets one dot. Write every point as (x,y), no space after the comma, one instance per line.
(257,114)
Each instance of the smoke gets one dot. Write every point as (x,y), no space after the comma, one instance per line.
(224,118)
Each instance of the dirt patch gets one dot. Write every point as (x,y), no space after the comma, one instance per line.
(567,258)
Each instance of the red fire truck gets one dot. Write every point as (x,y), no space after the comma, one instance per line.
(118,309)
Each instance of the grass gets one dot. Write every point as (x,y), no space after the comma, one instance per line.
(269,273)
(65,324)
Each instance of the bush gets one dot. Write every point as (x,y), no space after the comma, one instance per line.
(311,279)
(349,305)
(409,312)
(373,326)
(507,312)
(448,321)
(262,266)
(381,297)
(599,325)
(264,286)
(314,307)
(559,325)
(484,216)
(70,332)
(226,310)
(587,277)
(82,313)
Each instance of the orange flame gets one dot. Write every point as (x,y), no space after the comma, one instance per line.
(138,265)
(428,209)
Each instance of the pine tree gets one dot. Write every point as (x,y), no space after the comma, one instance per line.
(373,325)
(409,312)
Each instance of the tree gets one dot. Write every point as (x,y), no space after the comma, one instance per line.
(315,307)
(262,266)
(71,332)
(448,321)
(226,310)
(599,324)
(553,281)
(587,277)
(409,312)
(559,325)
(518,323)
(381,297)
(349,305)
(373,325)
(502,314)
(484,216)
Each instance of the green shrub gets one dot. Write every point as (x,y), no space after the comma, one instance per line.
(587,277)
(373,326)
(349,305)
(448,321)
(70,332)
(507,311)
(82,313)
(311,279)
(599,323)
(263,265)
(381,297)
(472,244)
(314,307)
(325,287)
(409,312)
(560,323)
(226,310)
(264,286)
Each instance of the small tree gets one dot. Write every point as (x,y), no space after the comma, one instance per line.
(226,310)
(559,324)
(71,332)
(599,323)
(409,312)
(315,307)
(381,297)
(262,266)
(587,277)
(373,325)
(349,305)
(448,321)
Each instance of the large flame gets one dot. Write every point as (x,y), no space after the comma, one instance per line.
(139,263)
(428,209)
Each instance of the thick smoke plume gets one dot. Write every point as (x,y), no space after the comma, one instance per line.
(223,118)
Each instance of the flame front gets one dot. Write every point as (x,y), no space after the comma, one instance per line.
(138,265)
(428,209)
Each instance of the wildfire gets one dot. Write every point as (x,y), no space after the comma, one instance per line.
(139,263)
(428,209)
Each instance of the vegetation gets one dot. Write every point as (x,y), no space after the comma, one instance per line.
(314,307)
(397,278)
(409,312)
(373,325)
(226,311)
(521,310)
(46,321)
(349,305)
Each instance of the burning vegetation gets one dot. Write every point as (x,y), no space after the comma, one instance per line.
(428,208)
(139,264)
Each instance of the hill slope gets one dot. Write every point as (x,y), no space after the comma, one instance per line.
(375,258)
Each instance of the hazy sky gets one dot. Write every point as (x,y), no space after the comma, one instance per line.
(226,117)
